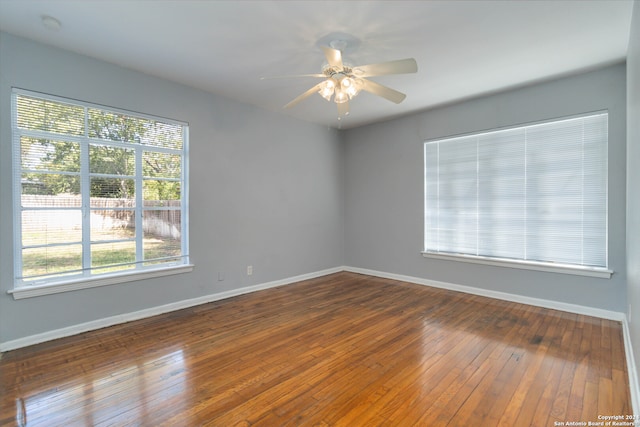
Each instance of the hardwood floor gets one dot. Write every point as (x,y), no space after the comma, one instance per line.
(344,349)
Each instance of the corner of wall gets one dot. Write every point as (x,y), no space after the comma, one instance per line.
(632,337)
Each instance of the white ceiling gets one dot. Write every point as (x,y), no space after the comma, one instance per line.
(463,48)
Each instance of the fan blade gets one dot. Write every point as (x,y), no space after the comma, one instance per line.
(401,66)
(343,109)
(292,76)
(307,94)
(383,91)
(334,57)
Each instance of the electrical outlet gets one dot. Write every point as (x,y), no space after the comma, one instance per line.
(249,270)
(220,276)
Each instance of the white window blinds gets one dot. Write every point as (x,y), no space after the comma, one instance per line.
(533,193)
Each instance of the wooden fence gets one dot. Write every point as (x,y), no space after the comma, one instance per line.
(106,213)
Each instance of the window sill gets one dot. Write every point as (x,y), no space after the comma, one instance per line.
(29,291)
(602,273)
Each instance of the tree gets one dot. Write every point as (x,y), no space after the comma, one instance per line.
(63,155)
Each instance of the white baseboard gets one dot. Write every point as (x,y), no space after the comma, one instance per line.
(538,302)
(634,387)
(153,311)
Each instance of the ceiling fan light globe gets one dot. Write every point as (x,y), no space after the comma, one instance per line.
(327,89)
(326,94)
(340,97)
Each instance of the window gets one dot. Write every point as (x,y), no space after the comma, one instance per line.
(98,192)
(534,195)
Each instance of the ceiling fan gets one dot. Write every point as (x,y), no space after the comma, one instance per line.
(343,82)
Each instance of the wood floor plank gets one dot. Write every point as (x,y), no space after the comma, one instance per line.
(526,396)
(620,386)
(340,350)
(542,415)
(570,340)
(605,395)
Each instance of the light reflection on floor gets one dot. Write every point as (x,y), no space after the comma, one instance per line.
(96,401)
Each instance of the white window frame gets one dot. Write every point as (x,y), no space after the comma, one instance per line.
(553,267)
(85,279)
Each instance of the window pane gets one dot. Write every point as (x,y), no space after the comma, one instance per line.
(110,254)
(161,165)
(113,188)
(432,206)
(51,259)
(115,127)
(49,116)
(49,155)
(457,174)
(44,227)
(162,234)
(501,194)
(112,225)
(164,135)
(51,201)
(111,160)
(158,193)
(554,192)
(595,191)
(120,127)
(50,190)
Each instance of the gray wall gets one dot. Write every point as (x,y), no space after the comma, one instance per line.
(633,182)
(384,188)
(265,190)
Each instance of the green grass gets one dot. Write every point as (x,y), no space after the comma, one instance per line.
(52,260)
